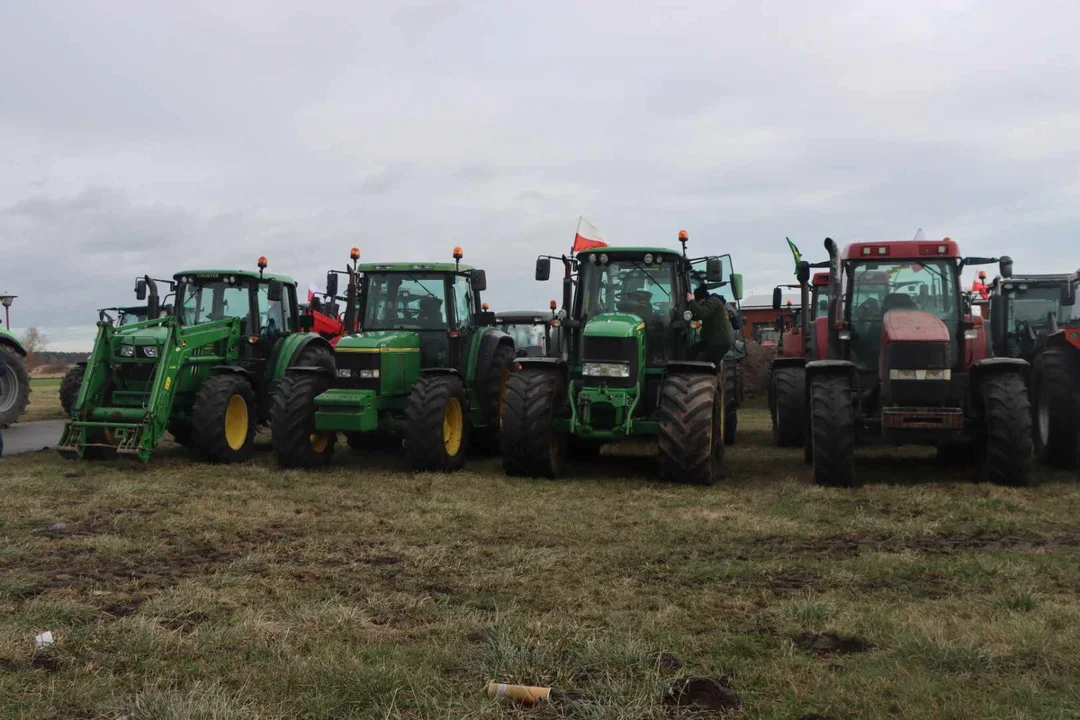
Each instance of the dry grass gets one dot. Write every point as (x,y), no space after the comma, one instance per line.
(189,591)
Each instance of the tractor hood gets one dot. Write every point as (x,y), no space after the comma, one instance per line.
(614,325)
(154,335)
(916,359)
(913,326)
(380,341)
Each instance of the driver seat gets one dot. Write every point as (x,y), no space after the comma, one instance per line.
(898,301)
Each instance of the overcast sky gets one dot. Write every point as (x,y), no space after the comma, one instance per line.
(155,136)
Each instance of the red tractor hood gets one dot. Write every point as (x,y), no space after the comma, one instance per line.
(913,326)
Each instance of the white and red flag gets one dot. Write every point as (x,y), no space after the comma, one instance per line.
(311,290)
(588,236)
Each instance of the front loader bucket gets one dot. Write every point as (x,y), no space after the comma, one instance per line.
(93,440)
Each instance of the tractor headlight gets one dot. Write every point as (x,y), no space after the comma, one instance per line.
(127,351)
(844,334)
(344,373)
(369,374)
(608,370)
(648,258)
(687,316)
(150,351)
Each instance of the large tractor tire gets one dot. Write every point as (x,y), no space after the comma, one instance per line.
(223,419)
(491,391)
(293,436)
(1054,385)
(311,356)
(1005,446)
(832,431)
(529,443)
(731,400)
(182,432)
(787,388)
(69,387)
(437,424)
(14,387)
(690,438)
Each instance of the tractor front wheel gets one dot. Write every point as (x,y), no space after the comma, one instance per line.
(14,387)
(492,390)
(832,430)
(1005,446)
(223,419)
(788,392)
(437,424)
(1054,417)
(529,443)
(69,387)
(293,435)
(731,400)
(690,438)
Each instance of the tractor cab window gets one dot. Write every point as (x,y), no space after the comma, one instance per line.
(819,301)
(275,316)
(630,285)
(529,338)
(1033,305)
(405,301)
(463,302)
(212,301)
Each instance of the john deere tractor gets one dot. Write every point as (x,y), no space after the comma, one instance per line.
(427,365)
(1055,387)
(907,364)
(15,383)
(205,373)
(628,367)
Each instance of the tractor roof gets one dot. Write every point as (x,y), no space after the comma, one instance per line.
(246,274)
(902,249)
(522,317)
(443,267)
(820,279)
(1047,280)
(613,250)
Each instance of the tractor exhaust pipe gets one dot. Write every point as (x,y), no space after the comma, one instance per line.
(351,308)
(804,297)
(835,352)
(153,304)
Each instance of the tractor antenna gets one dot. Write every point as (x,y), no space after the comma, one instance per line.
(918,234)
(684,238)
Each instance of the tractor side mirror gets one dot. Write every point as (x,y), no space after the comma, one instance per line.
(306,322)
(484,318)
(736,286)
(1005,266)
(1068,294)
(140,289)
(714,270)
(543,269)
(802,272)
(331,284)
(478,278)
(777,298)
(274,291)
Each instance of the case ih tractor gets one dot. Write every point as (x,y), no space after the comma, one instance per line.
(15,383)
(907,364)
(1055,388)
(427,364)
(804,341)
(205,373)
(628,367)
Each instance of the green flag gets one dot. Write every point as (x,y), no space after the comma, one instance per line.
(796,253)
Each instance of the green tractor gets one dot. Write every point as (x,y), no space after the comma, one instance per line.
(205,373)
(15,383)
(1022,310)
(427,364)
(628,367)
(1055,385)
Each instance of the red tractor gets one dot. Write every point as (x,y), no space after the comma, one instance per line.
(804,341)
(907,363)
(1055,387)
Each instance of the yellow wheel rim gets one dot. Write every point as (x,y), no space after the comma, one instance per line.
(236,422)
(319,441)
(502,393)
(452,427)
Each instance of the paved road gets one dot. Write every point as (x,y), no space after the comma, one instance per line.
(31,436)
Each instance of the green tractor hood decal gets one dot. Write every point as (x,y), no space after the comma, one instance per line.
(388,341)
(615,325)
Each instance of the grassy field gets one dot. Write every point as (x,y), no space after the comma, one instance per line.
(44,400)
(180,590)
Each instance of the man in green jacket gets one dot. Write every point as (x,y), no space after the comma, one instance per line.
(716,333)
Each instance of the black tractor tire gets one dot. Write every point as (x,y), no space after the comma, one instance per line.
(1005,447)
(223,419)
(731,400)
(311,356)
(182,433)
(740,380)
(832,430)
(788,391)
(14,387)
(367,441)
(69,387)
(491,391)
(529,444)
(296,442)
(437,424)
(690,438)
(1055,423)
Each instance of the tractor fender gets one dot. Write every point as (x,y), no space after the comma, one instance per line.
(490,342)
(1000,365)
(829,367)
(428,372)
(548,364)
(232,370)
(291,348)
(11,341)
(689,367)
(1066,338)
(785,362)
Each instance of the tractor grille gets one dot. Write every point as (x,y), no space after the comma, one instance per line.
(349,365)
(602,349)
(917,355)
(918,391)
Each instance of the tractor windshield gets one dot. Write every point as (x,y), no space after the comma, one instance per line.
(209,301)
(1033,305)
(405,301)
(819,301)
(876,288)
(628,286)
(530,337)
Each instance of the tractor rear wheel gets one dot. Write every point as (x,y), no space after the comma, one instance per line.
(731,400)
(832,430)
(182,432)
(223,419)
(529,443)
(14,387)
(293,435)
(491,392)
(788,391)
(690,438)
(1055,421)
(437,424)
(69,387)
(1004,444)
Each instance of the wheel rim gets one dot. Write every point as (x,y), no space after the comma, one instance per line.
(319,441)
(452,427)
(9,390)
(236,422)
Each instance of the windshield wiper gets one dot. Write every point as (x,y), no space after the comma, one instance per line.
(654,281)
(415,280)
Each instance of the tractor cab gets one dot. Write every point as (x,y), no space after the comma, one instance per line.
(1023,311)
(533,333)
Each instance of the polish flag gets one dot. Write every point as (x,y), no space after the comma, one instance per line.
(311,290)
(588,236)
